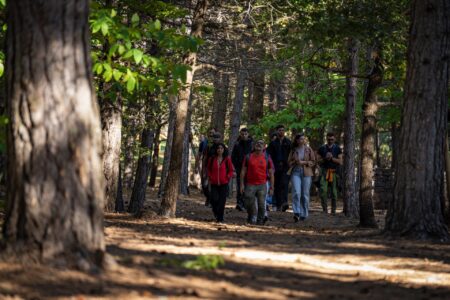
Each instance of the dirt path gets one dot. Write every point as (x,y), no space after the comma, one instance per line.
(324,257)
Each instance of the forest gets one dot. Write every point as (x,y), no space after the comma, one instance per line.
(219,149)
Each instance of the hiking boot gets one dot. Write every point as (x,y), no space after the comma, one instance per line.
(296,218)
(302,218)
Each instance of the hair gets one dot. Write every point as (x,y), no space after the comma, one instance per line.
(243,130)
(279,126)
(225,149)
(329,134)
(295,143)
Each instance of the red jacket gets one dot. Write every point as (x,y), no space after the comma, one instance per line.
(222,174)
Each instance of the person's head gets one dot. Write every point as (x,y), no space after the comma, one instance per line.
(243,134)
(299,140)
(259,145)
(280,131)
(220,149)
(211,132)
(217,137)
(330,138)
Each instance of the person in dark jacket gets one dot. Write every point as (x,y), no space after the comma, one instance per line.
(242,147)
(279,150)
(220,172)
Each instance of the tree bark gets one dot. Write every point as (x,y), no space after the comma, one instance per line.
(416,208)
(119,206)
(237,109)
(143,169)
(155,157)
(256,103)
(111,118)
(168,147)
(370,108)
(171,190)
(184,180)
(55,183)
(220,97)
(447,180)
(350,203)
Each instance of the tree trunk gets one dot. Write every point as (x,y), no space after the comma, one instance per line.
(447,180)
(416,209)
(129,149)
(237,109)
(171,190)
(184,181)
(143,169)
(155,157)
(120,206)
(256,103)
(350,203)
(111,118)
(55,182)
(370,107)
(221,87)
(168,147)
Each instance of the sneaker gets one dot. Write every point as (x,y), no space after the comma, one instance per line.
(296,219)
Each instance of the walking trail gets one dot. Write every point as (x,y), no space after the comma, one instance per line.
(324,257)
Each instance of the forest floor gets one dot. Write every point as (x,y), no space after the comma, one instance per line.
(324,257)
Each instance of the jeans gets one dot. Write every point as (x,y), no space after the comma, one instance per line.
(281,188)
(218,198)
(239,195)
(256,209)
(301,186)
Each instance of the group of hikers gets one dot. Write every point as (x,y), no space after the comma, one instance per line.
(263,173)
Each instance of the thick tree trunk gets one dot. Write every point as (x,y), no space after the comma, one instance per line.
(155,157)
(447,180)
(370,108)
(55,180)
(221,88)
(143,169)
(350,203)
(168,147)
(256,103)
(237,109)
(129,149)
(416,209)
(171,190)
(111,118)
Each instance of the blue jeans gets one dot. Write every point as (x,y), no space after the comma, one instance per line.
(300,192)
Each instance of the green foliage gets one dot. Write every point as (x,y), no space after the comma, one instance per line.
(201,262)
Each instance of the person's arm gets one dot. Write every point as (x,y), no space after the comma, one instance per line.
(243,173)
(312,157)
(230,168)
(338,160)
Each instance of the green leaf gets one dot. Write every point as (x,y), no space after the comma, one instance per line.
(137,54)
(2,69)
(131,84)
(105,28)
(157,25)
(121,49)
(135,19)
(113,49)
(98,68)
(117,74)
(128,54)
(107,76)
(96,27)
(113,13)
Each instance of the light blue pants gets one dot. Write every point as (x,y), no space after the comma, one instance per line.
(300,192)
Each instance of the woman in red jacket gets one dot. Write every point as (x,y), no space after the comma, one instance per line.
(220,171)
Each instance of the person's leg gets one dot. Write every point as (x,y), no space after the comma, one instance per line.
(333,194)
(223,189)
(285,191)
(296,186)
(324,192)
(239,195)
(250,203)
(261,192)
(277,189)
(214,199)
(306,187)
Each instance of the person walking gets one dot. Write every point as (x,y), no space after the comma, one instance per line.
(209,151)
(256,168)
(279,150)
(330,158)
(301,162)
(241,149)
(220,172)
